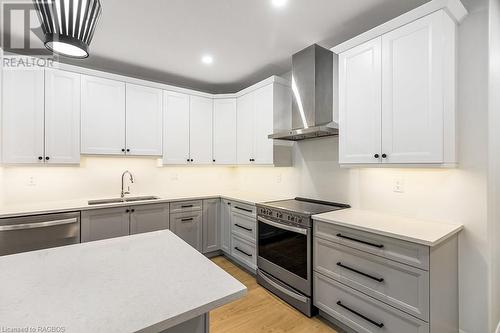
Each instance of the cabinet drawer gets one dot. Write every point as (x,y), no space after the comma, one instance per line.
(396,284)
(185,206)
(242,208)
(244,252)
(243,226)
(405,252)
(361,312)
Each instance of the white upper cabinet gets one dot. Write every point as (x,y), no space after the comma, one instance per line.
(200,130)
(397,96)
(413,82)
(263,122)
(176,128)
(245,128)
(62,117)
(103,116)
(257,113)
(360,98)
(224,131)
(144,119)
(22,116)
(41,116)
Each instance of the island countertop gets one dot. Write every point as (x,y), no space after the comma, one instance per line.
(147,282)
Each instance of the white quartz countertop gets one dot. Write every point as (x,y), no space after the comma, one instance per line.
(46,207)
(424,232)
(147,282)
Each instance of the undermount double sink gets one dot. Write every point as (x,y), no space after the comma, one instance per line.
(118,200)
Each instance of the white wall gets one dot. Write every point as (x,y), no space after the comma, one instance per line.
(494,153)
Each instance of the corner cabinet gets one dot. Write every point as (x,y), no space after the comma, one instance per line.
(397,96)
(40,117)
(224,131)
(256,114)
(211,225)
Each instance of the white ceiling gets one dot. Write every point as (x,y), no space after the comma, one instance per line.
(164,40)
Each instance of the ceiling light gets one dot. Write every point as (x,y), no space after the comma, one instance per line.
(207,59)
(68,25)
(279,3)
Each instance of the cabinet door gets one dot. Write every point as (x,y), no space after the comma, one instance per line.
(103,116)
(176,128)
(225,226)
(22,116)
(225,131)
(104,223)
(360,103)
(144,119)
(263,122)
(211,225)
(200,130)
(245,128)
(62,117)
(412,117)
(147,218)
(188,226)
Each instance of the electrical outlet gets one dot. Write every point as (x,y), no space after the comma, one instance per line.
(31,181)
(398,185)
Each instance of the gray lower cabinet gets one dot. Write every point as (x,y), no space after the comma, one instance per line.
(104,223)
(211,225)
(188,226)
(374,283)
(225,226)
(147,218)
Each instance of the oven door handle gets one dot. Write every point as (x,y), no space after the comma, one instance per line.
(283,226)
(290,293)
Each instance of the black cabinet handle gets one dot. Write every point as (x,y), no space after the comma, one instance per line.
(47,158)
(376,155)
(127,211)
(213,160)
(132,210)
(186,220)
(186,206)
(384,155)
(379,325)
(40,158)
(239,250)
(243,209)
(128,150)
(359,272)
(242,227)
(360,241)
(192,160)
(188,159)
(123,150)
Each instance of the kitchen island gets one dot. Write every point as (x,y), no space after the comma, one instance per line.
(152,282)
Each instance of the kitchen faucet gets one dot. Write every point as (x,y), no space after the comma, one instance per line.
(123,183)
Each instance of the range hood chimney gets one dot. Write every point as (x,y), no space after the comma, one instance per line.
(312,87)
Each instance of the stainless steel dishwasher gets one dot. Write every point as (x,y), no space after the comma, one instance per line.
(28,233)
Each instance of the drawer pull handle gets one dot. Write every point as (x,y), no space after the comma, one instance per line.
(380,325)
(186,206)
(239,250)
(360,241)
(244,209)
(359,272)
(242,227)
(186,220)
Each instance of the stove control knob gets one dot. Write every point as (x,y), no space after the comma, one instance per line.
(299,220)
(279,215)
(292,218)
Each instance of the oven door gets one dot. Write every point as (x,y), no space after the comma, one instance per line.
(284,251)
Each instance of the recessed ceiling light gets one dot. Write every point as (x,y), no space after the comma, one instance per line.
(279,3)
(207,59)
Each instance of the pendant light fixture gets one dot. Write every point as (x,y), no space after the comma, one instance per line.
(68,25)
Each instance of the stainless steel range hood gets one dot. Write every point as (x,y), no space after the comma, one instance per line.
(312,86)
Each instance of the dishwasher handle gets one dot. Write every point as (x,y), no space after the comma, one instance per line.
(25,226)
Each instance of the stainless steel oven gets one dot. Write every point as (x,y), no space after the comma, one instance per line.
(284,248)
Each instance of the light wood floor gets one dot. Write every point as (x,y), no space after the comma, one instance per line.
(259,311)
